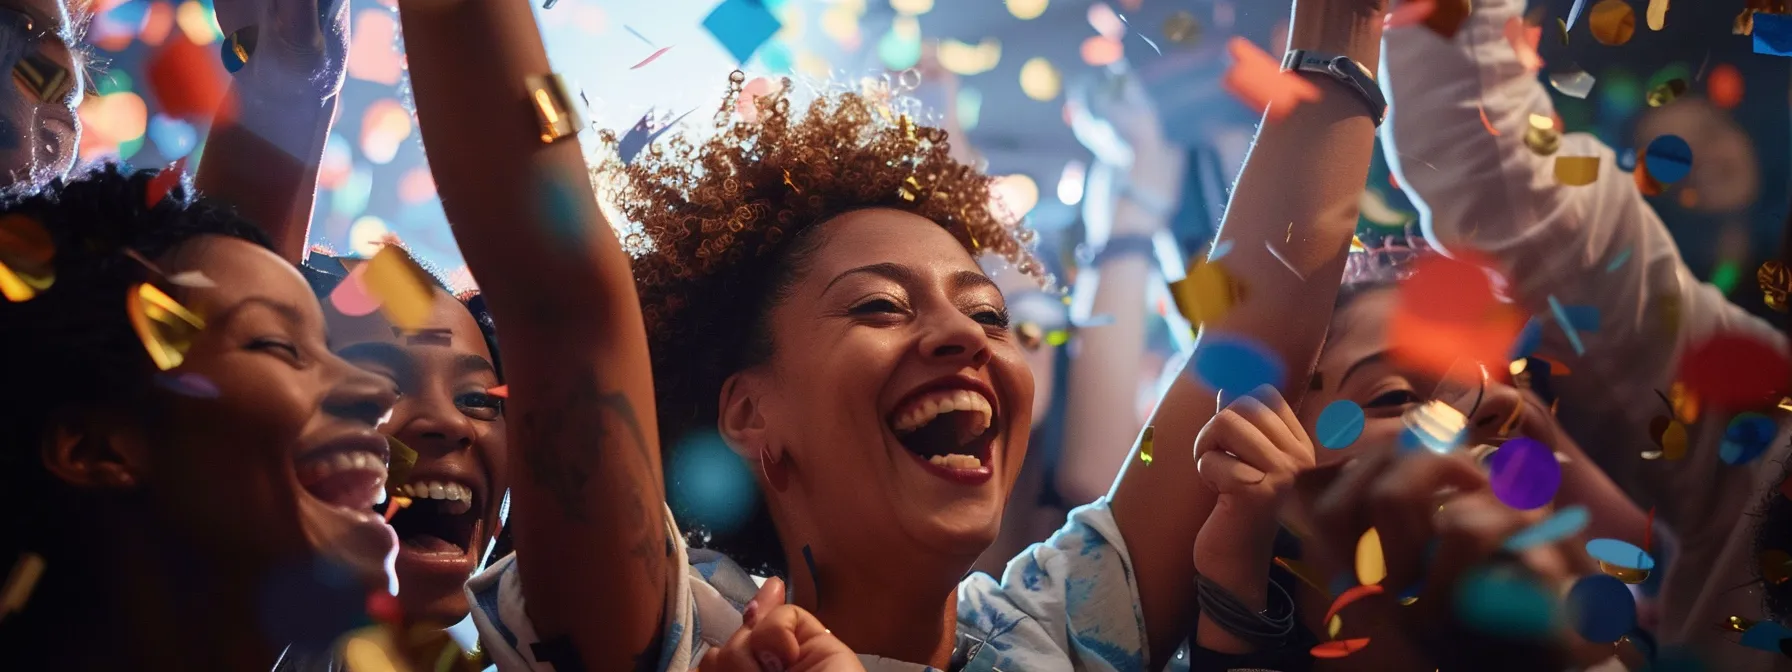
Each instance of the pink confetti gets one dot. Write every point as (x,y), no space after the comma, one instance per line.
(747,106)
(1257,80)
(1410,13)
(1524,39)
(351,298)
(650,59)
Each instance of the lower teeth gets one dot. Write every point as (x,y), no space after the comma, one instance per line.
(956,461)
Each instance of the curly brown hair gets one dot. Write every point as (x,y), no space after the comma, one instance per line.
(720,228)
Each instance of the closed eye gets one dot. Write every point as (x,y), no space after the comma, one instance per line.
(1394,399)
(876,307)
(994,318)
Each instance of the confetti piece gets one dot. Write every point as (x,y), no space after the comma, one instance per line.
(1666,92)
(20,582)
(1235,365)
(1564,524)
(1746,438)
(401,459)
(1773,34)
(1669,159)
(384,607)
(1349,596)
(1674,441)
(1206,293)
(1567,324)
(1577,171)
(1658,14)
(1501,601)
(188,385)
(1447,17)
(650,58)
(394,504)
(1371,567)
(1683,402)
(1258,82)
(1145,445)
(1765,636)
(163,183)
(1305,573)
(1612,22)
(1542,141)
(26,255)
(501,391)
(1645,184)
(1734,370)
(742,26)
(1738,624)
(1618,261)
(1524,39)
(1485,123)
(1220,249)
(402,288)
(1410,13)
(631,30)
(1724,86)
(1601,608)
(1436,426)
(235,49)
(1340,424)
(1529,338)
(1447,312)
(1339,648)
(1562,31)
(1620,554)
(165,327)
(1574,12)
(351,297)
(192,279)
(1525,473)
(186,80)
(1573,83)
(1333,626)
(369,651)
(1182,28)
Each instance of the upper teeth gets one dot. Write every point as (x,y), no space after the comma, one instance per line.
(921,411)
(460,495)
(324,466)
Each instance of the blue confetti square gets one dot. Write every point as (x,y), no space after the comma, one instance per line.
(742,26)
(1773,34)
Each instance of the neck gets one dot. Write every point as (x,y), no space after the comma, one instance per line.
(911,617)
(132,604)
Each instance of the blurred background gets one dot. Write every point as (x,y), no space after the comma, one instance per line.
(1017,61)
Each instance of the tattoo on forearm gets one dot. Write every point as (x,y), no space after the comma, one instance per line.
(568,437)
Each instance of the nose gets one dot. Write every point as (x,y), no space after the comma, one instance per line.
(360,396)
(431,422)
(956,338)
(1498,405)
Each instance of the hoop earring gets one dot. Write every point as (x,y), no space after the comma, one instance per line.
(773,472)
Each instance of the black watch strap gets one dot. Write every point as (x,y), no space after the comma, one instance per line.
(1345,71)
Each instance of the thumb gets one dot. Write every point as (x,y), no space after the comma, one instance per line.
(769,597)
(784,633)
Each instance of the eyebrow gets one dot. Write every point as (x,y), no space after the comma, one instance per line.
(1371,359)
(465,364)
(286,310)
(381,352)
(963,280)
(958,281)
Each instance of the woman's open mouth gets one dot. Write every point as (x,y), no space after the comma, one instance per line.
(347,474)
(441,527)
(949,430)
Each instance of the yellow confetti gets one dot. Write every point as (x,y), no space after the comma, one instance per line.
(1658,14)
(1685,402)
(1356,245)
(1542,141)
(1612,22)
(1673,441)
(402,287)
(166,328)
(1332,628)
(1577,171)
(371,650)
(403,459)
(1738,624)
(26,251)
(1371,567)
(1145,445)
(1666,92)
(20,582)
(1542,122)
(1518,366)
(1182,28)
(1206,293)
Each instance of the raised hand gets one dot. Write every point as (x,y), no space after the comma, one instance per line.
(778,638)
(300,47)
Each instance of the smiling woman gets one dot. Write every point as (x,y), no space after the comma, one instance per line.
(184,508)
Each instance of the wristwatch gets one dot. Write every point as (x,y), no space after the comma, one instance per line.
(1346,71)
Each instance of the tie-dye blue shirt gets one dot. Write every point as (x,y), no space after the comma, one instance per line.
(1068,603)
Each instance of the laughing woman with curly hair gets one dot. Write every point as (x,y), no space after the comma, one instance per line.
(805,283)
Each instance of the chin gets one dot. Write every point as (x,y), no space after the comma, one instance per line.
(965,527)
(435,608)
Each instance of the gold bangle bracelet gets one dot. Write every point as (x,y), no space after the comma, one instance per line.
(558,117)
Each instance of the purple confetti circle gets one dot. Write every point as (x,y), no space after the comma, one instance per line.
(1525,473)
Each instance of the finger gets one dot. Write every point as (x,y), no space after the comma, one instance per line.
(770,596)
(1227,474)
(1401,506)
(1470,530)
(1270,425)
(1297,432)
(712,661)
(1231,431)
(1338,513)
(780,634)
(736,654)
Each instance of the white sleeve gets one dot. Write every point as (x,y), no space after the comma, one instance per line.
(1597,245)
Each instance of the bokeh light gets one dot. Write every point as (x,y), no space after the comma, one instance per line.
(900,49)
(384,128)
(1026,9)
(1070,183)
(1099,51)
(373,57)
(197,22)
(965,59)
(970,108)
(711,487)
(1016,194)
(912,7)
(366,236)
(1039,80)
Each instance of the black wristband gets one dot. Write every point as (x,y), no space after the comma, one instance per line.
(1264,630)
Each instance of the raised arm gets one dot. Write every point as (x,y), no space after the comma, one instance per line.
(1597,245)
(1296,200)
(586,490)
(264,149)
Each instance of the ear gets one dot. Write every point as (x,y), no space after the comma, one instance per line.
(740,421)
(90,451)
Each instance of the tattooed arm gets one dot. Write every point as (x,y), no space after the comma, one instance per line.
(591,539)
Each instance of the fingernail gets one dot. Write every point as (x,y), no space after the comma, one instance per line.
(769,662)
(752,610)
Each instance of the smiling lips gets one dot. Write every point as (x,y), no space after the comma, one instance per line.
(947,429)
(351,477)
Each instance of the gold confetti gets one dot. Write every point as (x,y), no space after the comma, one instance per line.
(1667,92)
(1332,628)
(1145,445)
(1206,293)
(1685,403)
(194,279)
(1775,282)
(26,253)
(1658,14)
(1577,171)
(1356,245)
(1542,141)
(1371,567)
(166,328)
(1612,22)
(1562,31)
(20,582)
(44,78)
(371,650)
(1630,575)
(403,459)
(1673,441)
(1738,624)
(402,287)
(910,189)
(1182,28)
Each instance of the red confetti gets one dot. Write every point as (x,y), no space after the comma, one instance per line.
(164,182)
(1411,13)
(1724,86)
(1447,312)
(383,607)
(392,507)
(501,391)
(1524,38)
(1349,596)
(1644,182)
(1487,124)
(1393,182)
(1339,648)
(1735,371)
(1257,80)
(188,80)
(650,58)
